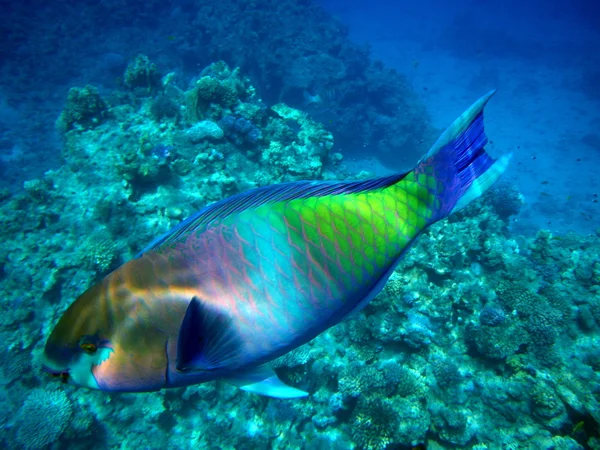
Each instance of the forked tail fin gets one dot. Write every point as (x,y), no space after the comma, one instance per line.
(459,163)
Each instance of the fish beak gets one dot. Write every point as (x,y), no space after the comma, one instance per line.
(63,375)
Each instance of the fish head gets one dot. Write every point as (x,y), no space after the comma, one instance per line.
(108,339)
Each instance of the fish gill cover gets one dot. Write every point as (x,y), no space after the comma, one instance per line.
(481,339)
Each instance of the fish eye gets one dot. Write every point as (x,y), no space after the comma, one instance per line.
(88,347)
(88,344)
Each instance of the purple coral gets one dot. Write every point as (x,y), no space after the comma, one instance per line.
(492,316)
(506,200)
(240,130)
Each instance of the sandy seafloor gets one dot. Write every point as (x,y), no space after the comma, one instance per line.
(537,55)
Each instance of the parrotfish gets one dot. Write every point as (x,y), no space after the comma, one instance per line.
(252,277)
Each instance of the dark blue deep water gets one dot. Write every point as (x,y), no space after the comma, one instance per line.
(120,119)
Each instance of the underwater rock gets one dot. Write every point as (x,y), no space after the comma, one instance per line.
(141,75)
(418,332)
(84,109)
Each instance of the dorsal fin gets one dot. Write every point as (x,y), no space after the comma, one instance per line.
(269,194)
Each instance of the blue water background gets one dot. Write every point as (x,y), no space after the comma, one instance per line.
(541,56)
(544,59)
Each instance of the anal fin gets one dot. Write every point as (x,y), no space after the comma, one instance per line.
(263,381)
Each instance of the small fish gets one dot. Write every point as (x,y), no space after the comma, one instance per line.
(578,427)
(311,98)
(161,152)
(252,277)
(325,96)
(545,182)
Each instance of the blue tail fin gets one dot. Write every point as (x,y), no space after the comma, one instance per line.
(460,162)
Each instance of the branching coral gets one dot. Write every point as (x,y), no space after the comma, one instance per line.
(548,405)
(84,108)
(498,342)
(102,251)
(217,89)
(446,373)
(401,380)
(43,417)
(492,316)
(295,358)
(506,200)
(357,379)
(451,425)
(142,74)
(16,365)
(544,327)
(164,107)
(375,422)
(519,299)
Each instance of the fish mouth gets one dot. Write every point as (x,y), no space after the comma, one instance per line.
(63,375)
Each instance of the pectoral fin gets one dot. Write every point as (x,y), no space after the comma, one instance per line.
(264,381)
(207,339)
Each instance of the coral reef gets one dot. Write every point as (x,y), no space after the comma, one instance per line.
(164,107)
(43,417)
(480,337)
(333,79)
(492,315)
(291,50)
(141,75)
(84,108)
(506,200)
(374,424)
(204,130)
